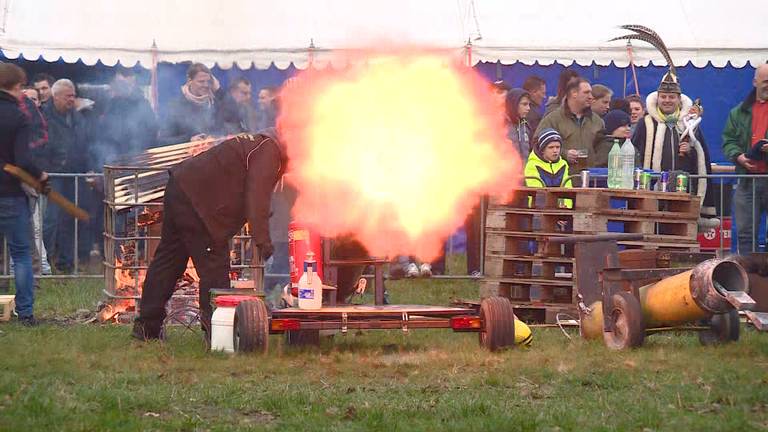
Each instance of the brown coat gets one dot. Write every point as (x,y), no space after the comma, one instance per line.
(232,183)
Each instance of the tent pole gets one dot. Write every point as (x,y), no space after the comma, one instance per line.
(468,51)
(311,53)
(153,83)
(632,65)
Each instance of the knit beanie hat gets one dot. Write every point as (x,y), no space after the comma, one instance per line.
(547,136)
(615,119)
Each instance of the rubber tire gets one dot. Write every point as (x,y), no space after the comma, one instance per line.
(251,327)
(302,337)
(627,319)
(723,328)
(498,324)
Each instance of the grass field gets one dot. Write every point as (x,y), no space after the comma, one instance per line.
(94,377)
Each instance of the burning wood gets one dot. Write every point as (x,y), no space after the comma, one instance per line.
(130,271)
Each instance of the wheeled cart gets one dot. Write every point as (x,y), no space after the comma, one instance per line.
(493,320)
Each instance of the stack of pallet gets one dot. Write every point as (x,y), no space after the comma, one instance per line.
(538,275)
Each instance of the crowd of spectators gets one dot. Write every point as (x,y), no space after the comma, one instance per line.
(587,119)
(77,128)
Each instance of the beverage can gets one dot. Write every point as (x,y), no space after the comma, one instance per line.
(636,177)
(645,181)
(585,178)
(664,185)
(681,183)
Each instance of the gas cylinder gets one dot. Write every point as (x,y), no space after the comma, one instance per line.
(301,240)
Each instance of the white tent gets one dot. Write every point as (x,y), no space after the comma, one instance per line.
(262,32)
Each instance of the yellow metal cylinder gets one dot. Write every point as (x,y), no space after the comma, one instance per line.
(591,325)
(670,302)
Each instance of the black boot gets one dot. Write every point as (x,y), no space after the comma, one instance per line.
(146,331)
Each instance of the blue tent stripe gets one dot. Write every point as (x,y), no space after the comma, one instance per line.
(719,88)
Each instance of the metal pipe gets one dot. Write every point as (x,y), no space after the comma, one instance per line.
(571,239)
(692,295)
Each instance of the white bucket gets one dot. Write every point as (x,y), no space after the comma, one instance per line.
(222,334)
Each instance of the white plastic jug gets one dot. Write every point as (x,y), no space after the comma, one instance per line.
(310,285)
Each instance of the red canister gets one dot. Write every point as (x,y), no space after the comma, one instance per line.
(300,241)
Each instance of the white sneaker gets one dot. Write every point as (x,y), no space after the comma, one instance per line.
(412,271)
(425,270)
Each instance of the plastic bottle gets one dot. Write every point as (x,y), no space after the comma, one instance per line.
(627,164)
(614,166)
(310,285)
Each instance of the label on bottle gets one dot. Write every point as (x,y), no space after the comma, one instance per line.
(306,293)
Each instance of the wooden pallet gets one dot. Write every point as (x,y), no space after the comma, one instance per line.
(520,266)
(592,199)
(519,255)
(7,304)
(598,223)
(522,243)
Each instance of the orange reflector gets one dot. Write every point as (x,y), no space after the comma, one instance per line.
(285,324)
(465,323)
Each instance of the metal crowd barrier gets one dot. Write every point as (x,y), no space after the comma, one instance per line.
(723,185)
(81,183)
(722,182)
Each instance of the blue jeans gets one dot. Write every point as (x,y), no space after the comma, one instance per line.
(748,212)
(15,225)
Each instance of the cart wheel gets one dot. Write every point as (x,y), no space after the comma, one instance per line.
(627,318)
(302,337)
(723,328)
(251,332)
(498,320)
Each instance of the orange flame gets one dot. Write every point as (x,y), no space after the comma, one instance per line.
(396,150)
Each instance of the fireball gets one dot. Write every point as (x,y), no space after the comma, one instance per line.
(396,150)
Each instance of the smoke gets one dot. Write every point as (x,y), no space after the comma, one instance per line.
(396,149)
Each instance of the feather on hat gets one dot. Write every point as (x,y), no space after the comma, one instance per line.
(669,83)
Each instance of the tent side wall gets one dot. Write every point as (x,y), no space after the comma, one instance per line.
(720,89)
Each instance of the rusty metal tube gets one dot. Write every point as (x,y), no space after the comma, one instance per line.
(692,295)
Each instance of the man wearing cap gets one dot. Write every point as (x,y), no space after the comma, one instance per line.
(668,138)
(575,123)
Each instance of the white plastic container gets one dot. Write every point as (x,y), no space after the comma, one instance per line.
(614,166)
(223,321)
(627,164)
(310,285)
(222,335)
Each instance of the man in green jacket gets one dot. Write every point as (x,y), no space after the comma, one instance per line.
(747,125)
(576,123)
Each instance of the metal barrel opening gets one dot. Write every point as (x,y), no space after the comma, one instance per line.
(729,276)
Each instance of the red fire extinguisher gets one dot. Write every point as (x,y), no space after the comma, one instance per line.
(300,241)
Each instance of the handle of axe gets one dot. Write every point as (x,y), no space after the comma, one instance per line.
(67,205)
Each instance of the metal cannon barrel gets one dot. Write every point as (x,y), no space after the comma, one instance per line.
(686,297)
(692,295)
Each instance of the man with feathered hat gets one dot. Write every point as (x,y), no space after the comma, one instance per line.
(668,138)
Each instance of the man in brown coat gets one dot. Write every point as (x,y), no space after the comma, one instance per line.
(207,200)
